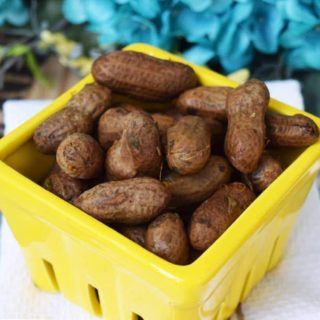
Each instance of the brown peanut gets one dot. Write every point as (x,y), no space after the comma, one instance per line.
(133,201)
(291,131)
(167,238)
(267,171)
(209,102)
(142,76)
(188,145)
(187,189)
(63,186)
(80,156)
(92,100)
(246,133)
(57,127)
(212,218)
(138,152)
(135,233)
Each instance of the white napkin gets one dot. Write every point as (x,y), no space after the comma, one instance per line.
(291,291)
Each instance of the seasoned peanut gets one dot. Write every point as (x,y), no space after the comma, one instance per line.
(291,131)
(80,156)
(133,201)
(138,152)
(188,145)
(57,127)
(186,189)
(246,133)
(267,171)
(92,100)
(216,214)
(167,238)
(209,102)
(142,76)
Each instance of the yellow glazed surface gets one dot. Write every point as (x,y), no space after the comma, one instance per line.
(94,266)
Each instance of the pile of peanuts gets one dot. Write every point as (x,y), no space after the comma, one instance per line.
(171,181)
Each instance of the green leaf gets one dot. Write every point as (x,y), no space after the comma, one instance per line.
(35,69)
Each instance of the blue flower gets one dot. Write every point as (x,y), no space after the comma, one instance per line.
(195,26)
(301,39)
(234,46)
(13,12)
(266,24)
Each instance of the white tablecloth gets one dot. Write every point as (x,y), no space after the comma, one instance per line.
(291,291)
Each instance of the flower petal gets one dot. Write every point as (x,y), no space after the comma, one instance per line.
(98,11)
(146,8)
(300,12)
(294,35)
(195,26)
(17,14)
(74,11)
(199,54)
(196,5)
(266,27)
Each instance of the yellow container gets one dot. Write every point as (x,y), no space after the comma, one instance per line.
(94,266)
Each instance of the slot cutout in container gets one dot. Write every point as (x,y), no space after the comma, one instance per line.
(135,316)
(51,274)
(95,300)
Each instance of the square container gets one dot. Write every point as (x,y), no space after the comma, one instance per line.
(96,267)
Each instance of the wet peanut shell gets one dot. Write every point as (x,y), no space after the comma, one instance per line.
(209,102)
(164,122)
(167,238)
(134,233)
(142,76)
(92,100)
(188,145)
(246,133)
(133,201)
(267,171)
(213,217)
(64,186)
(110,126)
(291,131)
(57,127)
(193,188)
(138,151)
(80,156)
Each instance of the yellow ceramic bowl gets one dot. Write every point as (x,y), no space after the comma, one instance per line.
(94,266)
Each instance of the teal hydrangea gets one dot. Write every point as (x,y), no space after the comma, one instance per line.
(14,12)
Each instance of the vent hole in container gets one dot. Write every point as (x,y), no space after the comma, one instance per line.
(95,300)
(135,316)
(50,271)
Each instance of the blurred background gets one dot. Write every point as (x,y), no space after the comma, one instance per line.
(46,46)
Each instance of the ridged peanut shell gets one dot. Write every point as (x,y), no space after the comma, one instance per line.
(57,127)
(214,216)
(167,238)
(142,76)
(188,145)
(246,133)
(133,201)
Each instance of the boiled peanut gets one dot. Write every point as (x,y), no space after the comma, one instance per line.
(138,152)
(186,189)
(267,171)
(167,238)
(80,156)
(291,131)
(142,76)
(246,133)
(212,218)
(92,100)
(188,145)
(133,201)
(209,102)
(57,127)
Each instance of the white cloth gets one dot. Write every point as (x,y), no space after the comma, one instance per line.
(291,291)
